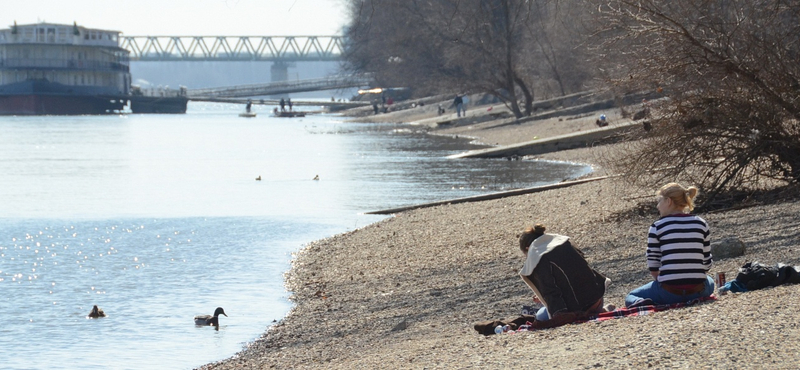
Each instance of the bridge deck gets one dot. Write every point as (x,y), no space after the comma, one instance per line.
(234,48)
(278,88)
(275,102)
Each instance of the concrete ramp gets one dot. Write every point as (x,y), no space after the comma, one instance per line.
(550,144)
(498,195)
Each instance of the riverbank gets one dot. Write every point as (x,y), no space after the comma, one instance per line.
(404,292)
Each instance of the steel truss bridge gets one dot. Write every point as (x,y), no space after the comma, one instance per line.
(234,48)
(278,88)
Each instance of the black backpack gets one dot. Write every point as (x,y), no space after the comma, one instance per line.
(754,275)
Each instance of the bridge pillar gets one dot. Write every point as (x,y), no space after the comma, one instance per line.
(279,72)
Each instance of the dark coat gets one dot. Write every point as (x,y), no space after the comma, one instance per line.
(562,278)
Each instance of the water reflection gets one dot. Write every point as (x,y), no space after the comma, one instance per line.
(157,218)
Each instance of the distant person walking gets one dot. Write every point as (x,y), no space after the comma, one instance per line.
(248,106)
(283,105)
(459,103)
(289,101)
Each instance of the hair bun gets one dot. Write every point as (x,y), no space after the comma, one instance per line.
(539,228)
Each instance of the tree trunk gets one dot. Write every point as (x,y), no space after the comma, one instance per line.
(515,104)
(528,96)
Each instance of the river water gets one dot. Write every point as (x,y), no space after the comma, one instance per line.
(157,218)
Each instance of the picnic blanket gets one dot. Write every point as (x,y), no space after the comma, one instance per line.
(625,312)
(528,322)
(644,310)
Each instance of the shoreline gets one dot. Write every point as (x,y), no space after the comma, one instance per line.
(404,291)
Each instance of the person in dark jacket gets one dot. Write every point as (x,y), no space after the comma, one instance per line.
(458,102)
(560,277)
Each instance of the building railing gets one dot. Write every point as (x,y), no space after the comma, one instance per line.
(71,64)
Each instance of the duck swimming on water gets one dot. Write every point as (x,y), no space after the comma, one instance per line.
(96,312)
(208,319)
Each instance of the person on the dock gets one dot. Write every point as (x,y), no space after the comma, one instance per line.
(459,103)
(375,105)
(283,105)
(560,278)
(289,102)
(678,252)
(248,106)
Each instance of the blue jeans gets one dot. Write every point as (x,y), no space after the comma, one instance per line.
(655,292)
(542,314)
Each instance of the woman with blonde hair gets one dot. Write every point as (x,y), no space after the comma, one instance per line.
(678,251)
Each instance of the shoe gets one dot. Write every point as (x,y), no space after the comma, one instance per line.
(642,302)
(559,319)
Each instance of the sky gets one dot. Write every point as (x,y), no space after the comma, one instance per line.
(185,17)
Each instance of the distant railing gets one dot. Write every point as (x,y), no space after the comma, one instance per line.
(234,48)
(71,64)
(164,92)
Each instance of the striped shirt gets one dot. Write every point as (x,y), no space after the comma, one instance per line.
(679,247)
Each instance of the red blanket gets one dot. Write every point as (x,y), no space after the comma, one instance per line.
(635,311)
(645,310)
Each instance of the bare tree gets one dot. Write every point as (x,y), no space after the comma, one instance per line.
(560,38)
(493,46)
(730,72)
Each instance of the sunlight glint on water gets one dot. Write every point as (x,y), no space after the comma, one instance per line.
(157,218)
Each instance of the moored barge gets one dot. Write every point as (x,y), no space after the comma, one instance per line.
(50,68)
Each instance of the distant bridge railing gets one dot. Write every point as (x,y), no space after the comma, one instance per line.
(276,88)
(234,48)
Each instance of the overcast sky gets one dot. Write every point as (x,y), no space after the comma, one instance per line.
(185,17)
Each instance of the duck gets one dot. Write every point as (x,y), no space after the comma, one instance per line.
(316,178)
(208,319)
(96,312)
(258,178)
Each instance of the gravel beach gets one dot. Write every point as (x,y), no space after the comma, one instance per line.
(406,291)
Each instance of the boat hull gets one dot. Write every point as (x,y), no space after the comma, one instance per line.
(290,114)
(56,104)
(153,104)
